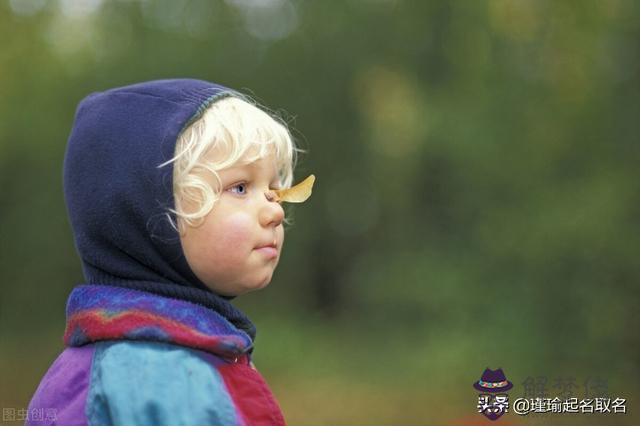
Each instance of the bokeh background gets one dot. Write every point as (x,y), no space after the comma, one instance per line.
(477,200)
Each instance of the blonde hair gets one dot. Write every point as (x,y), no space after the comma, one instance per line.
(242,133)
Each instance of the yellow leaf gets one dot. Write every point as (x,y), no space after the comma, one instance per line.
(295,194)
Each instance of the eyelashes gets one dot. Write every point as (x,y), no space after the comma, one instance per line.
(242,185)
(242,188)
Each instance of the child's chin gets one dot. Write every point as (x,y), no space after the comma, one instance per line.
(238,289)
(241,290)
(258,285)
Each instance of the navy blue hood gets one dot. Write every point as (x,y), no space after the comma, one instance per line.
(118,198)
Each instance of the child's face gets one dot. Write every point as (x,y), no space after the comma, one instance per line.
(224,251)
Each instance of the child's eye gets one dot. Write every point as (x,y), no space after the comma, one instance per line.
(239,189)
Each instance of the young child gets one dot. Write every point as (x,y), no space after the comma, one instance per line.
(173,189)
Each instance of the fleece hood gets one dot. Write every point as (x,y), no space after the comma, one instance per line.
(118,197)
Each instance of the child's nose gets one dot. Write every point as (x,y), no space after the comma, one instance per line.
(272,213)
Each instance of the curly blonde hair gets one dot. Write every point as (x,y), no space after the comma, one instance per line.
(242,132)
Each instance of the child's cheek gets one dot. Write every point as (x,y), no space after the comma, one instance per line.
(235,233)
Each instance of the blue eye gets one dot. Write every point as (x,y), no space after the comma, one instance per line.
(241,188)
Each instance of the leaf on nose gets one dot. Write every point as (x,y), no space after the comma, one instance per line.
(296,194)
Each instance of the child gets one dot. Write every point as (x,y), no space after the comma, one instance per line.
(173,189)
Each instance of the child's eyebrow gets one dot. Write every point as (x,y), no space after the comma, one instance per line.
(251,168)
(275,178)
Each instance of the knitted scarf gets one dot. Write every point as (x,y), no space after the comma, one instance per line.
(99,312)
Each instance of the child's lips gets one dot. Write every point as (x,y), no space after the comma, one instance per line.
(270,251)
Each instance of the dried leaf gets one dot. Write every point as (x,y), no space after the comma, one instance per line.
(295,194)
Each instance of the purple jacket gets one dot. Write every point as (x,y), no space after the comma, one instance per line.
(135,358)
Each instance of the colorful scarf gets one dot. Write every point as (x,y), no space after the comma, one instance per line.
(102,312)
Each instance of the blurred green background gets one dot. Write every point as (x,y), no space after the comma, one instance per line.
(477,200)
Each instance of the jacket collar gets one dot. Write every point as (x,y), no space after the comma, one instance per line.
(102,312)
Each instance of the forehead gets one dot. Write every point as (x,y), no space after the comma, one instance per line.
(227,156)
(262,165)
(265,164)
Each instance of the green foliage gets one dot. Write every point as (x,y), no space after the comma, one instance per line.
(477,198)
